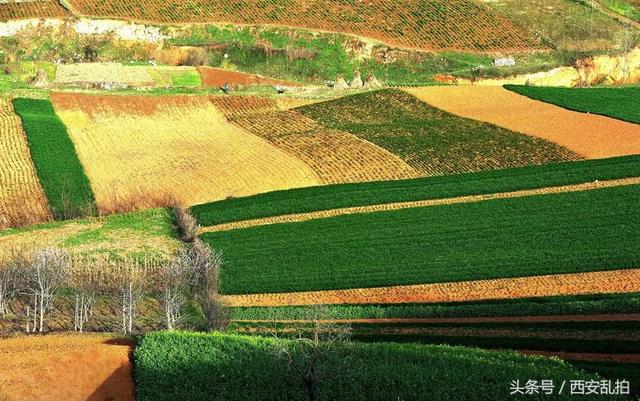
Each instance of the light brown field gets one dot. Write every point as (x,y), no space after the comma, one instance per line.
(66,367)
(103,72)
(336,156)
(22,199)
(291,218)
(589,135)
(147,151)
(615,281)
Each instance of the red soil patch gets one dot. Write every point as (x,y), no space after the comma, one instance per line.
(116,104)
(216,77)
(66,367)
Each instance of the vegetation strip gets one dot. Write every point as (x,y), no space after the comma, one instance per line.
(291,218)
(315,199)
(586,356)
(62,175)
(620,281)
(620,103)
(630,317)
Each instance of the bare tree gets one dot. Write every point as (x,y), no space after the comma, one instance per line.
(11,280)
(128,280)
(186,223)
(175,281)
(304,346)
(86,281)
(48,270)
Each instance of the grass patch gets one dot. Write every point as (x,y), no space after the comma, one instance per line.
(371,193)
(193,367)
(62,176)
(536,235)
(431,140)
(621,103)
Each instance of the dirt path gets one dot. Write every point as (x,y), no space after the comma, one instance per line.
(298,217)
(589,135)
(628,317)
(66,367)
(614,281)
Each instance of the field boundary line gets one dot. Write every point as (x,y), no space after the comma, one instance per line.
(610,281)
(585,356)
(624,317)
(300,217)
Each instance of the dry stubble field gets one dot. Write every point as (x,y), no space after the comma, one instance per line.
(22,199)
(145,151)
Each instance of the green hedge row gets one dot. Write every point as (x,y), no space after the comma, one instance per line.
(54,155)
(621,103)
(537,235)
(370,193)
(566,305)
(198,367)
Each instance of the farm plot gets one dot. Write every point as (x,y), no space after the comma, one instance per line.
(432,25)
(150,231)
(519,237)
(15,9)
(150,151)
(588,135)
(217,77)
(165,76)
(431,140)
(331,197)
(334,155)
(22,199)
(103,73)
(620,103)
(617,281)
(66,367)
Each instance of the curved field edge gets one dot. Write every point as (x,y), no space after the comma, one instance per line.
(322,198)
(61,174)
(538,235)
(248,368)
(619,103)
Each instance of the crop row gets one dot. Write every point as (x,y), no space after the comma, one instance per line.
(322,198)
(561,305)
(249,368)
(546,234)
(431,140)
(621,103)
(14,9)
(433,24)
(22,200)
(54,155)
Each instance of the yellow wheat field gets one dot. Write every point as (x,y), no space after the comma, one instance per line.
(22,199)
(336,156)
(148,151)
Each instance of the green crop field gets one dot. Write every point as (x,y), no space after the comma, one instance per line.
(431,140)
(371,193)
(537,235)
(193,367)
(621,103)
(62,176)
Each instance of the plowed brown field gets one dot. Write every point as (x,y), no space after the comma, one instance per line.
(146,151)
(216,77)
(65,367)
(623,281)
(291,218)
(22,199)
(15,9)
(589,135)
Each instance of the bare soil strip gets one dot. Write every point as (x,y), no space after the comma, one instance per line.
(628,317)
(66,367)
(589,135)
(613,281)
(299,217)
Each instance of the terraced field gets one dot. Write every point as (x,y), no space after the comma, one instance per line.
(14,9)
(22,199)
(588,135)
(430,140)
(432,25)
(217,77)
(146,151)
